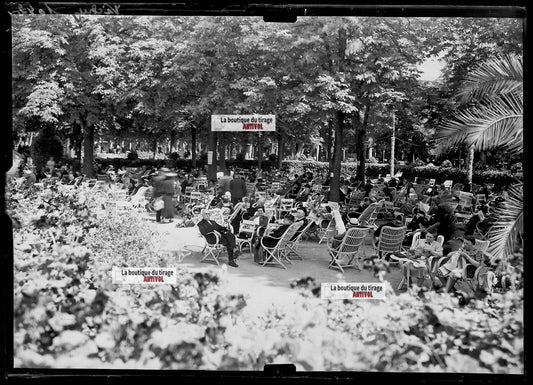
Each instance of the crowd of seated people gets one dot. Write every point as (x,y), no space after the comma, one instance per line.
(427,208)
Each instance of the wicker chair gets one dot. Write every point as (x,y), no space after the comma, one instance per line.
(390,240)
(347,253)
(292,245)
(274,255)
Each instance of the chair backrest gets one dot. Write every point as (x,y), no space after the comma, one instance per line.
(365,216)
(247,226)
(416,237)
(260,195)
(217,216)
(286,204)
(196,196)
(236,210)
(201,184)
(432,182)
(317,188)
(481,198)
(353,239)
(440,239)
(275,186)
(390,239)
(288,235)
(189,190)
(481,245)
(140,192)
(448,184)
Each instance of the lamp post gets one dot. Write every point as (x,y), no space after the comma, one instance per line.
(392,145)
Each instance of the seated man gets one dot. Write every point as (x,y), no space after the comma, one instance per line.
(301,214)
(270,240)
(423,249)
(207,226)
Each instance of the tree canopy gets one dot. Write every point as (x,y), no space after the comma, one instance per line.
(338,78)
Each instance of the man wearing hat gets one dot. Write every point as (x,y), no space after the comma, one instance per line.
(167,190)
(226,238)
(157,185)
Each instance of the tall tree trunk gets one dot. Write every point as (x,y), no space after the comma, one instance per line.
(260,151)
(88,151)
(329,146)
(334,187)
(470,165)
(212,146)
(280,150)
(172,140)
(193,147)
(360,145)
(221,151)
(154,147)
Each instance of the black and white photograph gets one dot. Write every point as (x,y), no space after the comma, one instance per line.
(239,187)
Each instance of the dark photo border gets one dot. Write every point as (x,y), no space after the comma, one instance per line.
(271,11)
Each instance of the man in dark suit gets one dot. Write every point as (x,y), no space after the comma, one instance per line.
(226,238)
(237,188)
(273,238)
(301,217)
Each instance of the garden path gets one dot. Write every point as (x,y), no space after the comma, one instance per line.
(270,285)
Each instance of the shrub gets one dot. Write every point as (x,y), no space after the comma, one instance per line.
(68,313)
(273,158)
(133,155)
(240,156)
(46,145)
(174,156)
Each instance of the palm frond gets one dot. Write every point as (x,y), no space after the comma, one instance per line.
(510,223)
(498,76)
(495,124)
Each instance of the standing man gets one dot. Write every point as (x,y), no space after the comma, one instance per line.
(226,238)
(224,181)
(157,185)
(237,189)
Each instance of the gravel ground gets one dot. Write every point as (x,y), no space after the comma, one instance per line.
(269,285)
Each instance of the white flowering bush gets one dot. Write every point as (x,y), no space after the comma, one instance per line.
(69,314)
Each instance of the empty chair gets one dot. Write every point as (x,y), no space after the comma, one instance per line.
(390,240)
(347,253)
(246,233)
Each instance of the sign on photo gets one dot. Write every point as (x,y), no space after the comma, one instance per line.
(243,123)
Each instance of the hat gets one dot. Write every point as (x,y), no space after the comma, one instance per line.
(171,174)
(353,221)
(164,169)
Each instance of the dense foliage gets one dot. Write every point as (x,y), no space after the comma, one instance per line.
(68,313)
(161,78)
(45,146)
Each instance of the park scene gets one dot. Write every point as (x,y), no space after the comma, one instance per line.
(223,193)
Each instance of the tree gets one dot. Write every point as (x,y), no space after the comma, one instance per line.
(493,118)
